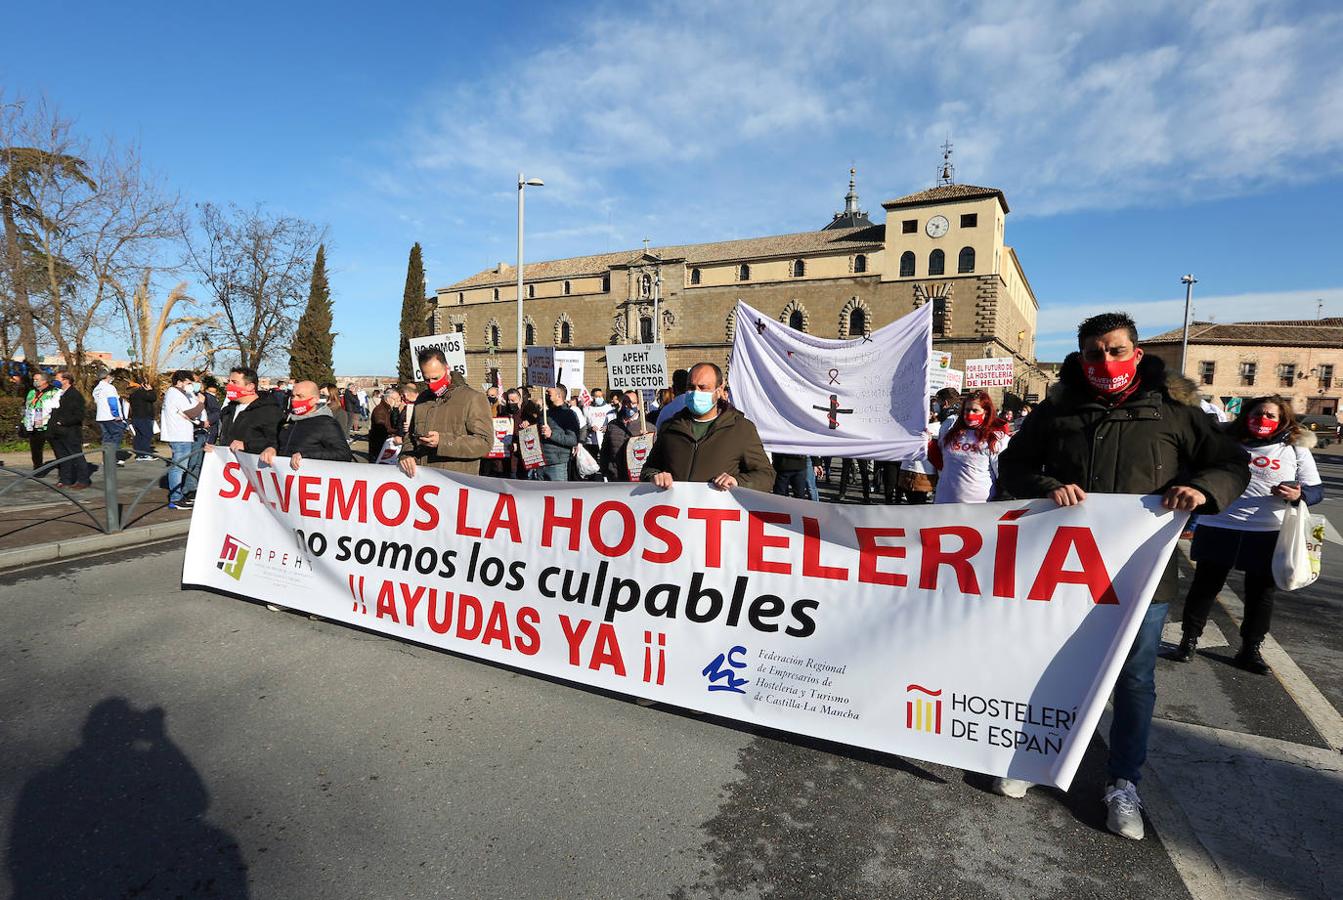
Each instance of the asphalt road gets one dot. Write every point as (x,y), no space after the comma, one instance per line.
(161,743)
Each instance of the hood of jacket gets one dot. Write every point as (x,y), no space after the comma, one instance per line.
(1072,387)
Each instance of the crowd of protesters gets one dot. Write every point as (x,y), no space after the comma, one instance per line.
(1116,421)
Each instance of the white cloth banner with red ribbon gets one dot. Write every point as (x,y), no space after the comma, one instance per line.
(984,636)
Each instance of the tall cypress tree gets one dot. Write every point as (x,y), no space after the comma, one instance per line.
(412,312)
(310,353)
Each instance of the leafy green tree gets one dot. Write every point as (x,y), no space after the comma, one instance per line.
(310,353)
(412,313)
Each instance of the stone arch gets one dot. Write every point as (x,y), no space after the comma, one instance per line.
(795,306)
(529,327)
(845,315)
(493,334)
(731,324)
(560,324)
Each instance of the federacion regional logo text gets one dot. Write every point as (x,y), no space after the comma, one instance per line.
(923,714)
(233,556)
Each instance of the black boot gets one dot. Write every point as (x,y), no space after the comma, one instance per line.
(1185,652)
(1251,660)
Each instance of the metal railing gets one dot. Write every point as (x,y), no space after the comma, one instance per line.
(113,517)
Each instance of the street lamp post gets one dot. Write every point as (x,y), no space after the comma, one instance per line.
(523,183)
(1188,281)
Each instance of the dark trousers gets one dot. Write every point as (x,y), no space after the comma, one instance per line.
(1209,578)
(846,472)
(35,441)
(794,484)
(890,481)
(66,442)
(144,436)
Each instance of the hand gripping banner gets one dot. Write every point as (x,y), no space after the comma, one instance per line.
(985,636)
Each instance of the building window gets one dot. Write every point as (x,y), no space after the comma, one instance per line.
(939,315)
(566,333)
(496,295)
(529,332)
(461,297)
(1287,375)
(531,291)
(494,336)
(460,328)
(969,220)
(860,264)
(937,262)
(795,320)
(909,226)
(1247,373)
(799,268)
(965,263)
(606,283)
(1206,371)
(568,289)
(857,322)
(743,272)
(1327,376)
(645,329)
(907,264)
(694,276)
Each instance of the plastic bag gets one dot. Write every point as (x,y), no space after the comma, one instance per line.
(587,466)
(390,452)
(1296,558)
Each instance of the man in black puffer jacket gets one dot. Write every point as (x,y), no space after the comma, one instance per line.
(310,431)
(1118,423)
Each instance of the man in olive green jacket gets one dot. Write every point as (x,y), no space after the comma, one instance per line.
(709,441)
(451,427)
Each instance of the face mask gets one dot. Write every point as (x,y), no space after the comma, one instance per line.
(630,414)
(439,385)
(974,419)
(598,401)
(231,391)
(510,408)
(302,407)
(197,388)
(1112,376)
(1261,427)
(700,402)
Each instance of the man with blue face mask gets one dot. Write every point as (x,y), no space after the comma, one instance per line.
(709,441)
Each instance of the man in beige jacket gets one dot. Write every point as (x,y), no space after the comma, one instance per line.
(451,427)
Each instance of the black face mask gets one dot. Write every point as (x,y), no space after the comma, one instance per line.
(510,407)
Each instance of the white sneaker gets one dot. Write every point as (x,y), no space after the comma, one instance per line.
(1125,807)
(1015,788)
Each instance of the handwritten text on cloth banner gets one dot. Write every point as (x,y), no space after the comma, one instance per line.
(984,636)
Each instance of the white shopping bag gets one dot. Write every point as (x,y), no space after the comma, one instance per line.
(1296,559)
(587,466)
(389,452)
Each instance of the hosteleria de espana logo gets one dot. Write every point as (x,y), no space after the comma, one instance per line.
(233,556)
(921,713)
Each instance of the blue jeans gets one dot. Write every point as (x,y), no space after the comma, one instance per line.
(112,433)
(556,472)
(194,464)
(1135,698)
(801,484)
(181,451)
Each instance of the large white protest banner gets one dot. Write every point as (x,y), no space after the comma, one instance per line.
(633,367)
(453,345)
(864,398)
(991,371)
(985,636)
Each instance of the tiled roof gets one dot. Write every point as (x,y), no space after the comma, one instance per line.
(848,240)
(947,192)
(1287,333)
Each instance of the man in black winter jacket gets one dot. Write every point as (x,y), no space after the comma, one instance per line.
(248,422)
(65,430)
(1117,422)
(310,431)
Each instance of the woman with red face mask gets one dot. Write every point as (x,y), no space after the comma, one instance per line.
(966,452)
(1244,535)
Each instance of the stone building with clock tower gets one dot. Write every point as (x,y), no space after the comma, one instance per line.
(943,246)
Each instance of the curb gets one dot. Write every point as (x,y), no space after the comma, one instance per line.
(68,549)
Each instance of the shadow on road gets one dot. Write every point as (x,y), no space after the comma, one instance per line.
(121,815)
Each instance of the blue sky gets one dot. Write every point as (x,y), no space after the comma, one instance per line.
(1135,140)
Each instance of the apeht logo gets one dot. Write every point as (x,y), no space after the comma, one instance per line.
(233,556)
(922,714)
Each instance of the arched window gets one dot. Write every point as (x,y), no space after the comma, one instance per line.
(645,285)
(907,264)
(461,297)
(529,332)
(567,289)
(939,315)
(460,328)
(795,320)
(531,291)
(937,262)
(743,272)
(799,268)
(494,336)
(606,283)
(694,276)
(496,295)
(966,262)
(860,263)
(645,329)
(857,323)
(566,332)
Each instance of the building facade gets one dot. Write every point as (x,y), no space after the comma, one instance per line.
(1301,359)
(943,246)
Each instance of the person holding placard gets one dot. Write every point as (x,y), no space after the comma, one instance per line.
(560,431)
